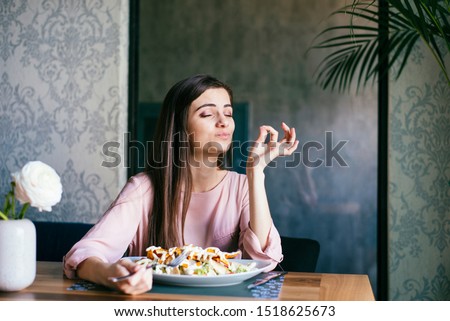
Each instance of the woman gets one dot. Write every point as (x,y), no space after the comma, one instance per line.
(186,197)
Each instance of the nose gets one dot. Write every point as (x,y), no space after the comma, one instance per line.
(222,121)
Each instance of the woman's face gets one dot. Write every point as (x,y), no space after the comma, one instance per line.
(210,123)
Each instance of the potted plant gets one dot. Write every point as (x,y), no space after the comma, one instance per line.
(381,33)
(36,185)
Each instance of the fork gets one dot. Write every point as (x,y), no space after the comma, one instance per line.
(175,262)
(180,258)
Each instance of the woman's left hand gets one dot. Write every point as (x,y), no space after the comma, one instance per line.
(261,153)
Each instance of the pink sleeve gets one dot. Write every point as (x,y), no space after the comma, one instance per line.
(249,243)
(252,248)
(117,228)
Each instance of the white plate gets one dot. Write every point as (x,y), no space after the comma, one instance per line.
(209,280)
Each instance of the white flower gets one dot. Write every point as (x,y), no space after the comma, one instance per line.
(38,184)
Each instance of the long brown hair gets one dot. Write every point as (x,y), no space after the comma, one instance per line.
(168,161)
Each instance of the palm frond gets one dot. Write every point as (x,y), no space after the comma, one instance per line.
(338,68)
(357,54)
(429,19)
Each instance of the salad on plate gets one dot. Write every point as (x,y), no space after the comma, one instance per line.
(210,261)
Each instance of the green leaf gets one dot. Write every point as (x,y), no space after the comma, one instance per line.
(24,209)
(357,54)
(3,216)
(403,46)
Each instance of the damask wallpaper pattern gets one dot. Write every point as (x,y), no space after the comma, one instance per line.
(419,204)
(63,94)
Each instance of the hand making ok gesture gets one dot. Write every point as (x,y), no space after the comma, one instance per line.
(262,153)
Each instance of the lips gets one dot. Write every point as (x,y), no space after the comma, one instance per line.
(223,135)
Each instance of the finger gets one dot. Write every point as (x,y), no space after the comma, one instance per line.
(146,279)
(136,278)
(293,135)
(129,265)
(287,133)
(273,135)
(142,283)
(285,127)
(290,150)
(262,134)
(132,280)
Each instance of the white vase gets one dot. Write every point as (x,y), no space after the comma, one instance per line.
(17,254)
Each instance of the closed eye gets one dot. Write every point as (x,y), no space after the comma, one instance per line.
(228,111)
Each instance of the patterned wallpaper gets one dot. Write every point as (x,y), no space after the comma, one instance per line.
(419,177)
(63,94)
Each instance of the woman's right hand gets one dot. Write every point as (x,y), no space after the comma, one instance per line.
(95,270)
(141,280)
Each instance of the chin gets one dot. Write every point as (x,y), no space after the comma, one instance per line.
(217,147)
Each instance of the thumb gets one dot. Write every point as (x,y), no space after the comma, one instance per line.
(130,266)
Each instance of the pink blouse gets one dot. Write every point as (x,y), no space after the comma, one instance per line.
(219,217)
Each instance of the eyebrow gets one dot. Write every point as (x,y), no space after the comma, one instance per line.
(212,105)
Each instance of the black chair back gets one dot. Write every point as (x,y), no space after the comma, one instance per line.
(300,254)
(55,239)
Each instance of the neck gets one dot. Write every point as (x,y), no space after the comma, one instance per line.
(205,178)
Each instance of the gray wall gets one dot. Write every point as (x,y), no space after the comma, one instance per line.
(258,47)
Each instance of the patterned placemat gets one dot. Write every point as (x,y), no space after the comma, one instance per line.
(269,290)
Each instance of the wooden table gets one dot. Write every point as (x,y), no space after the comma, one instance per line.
(51,285)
